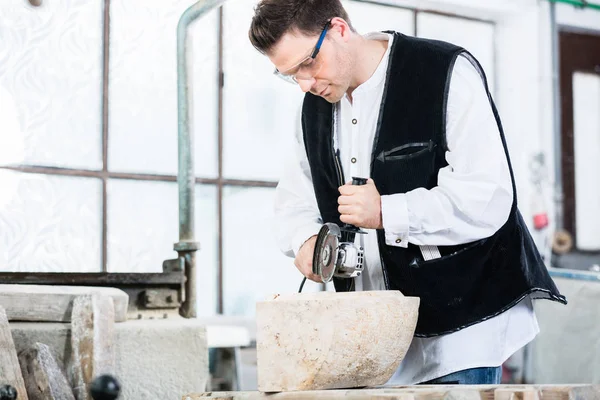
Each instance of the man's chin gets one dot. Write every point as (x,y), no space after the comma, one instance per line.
(332,97)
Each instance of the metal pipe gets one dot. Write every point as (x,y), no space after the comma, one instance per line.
(558,188)
(187,245)
(578,3)
(574,274)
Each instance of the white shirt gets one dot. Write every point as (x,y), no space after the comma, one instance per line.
(472,201)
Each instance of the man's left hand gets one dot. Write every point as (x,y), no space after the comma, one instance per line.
(360,205)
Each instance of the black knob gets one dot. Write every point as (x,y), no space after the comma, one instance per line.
(359,181)
(105,387)
(8,392)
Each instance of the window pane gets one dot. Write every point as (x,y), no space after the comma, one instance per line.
(51,224)
(367,18)
(51,63)
(254,268)
(143,87)
(477,37)
(260,110)
(143,225)
(586,138)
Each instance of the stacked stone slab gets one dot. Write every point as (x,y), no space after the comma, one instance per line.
(150,358)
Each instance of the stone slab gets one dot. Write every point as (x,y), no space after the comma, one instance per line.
(155,359)
(49,303)
(10,370)
(92,342)
(43,378)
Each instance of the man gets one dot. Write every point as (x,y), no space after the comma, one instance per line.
(439,207)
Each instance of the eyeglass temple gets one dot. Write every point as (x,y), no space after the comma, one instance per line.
(321,38)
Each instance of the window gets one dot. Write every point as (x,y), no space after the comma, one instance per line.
(95,85)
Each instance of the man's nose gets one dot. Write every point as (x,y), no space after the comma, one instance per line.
(306,84)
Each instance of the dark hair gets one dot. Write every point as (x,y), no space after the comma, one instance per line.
(273,18)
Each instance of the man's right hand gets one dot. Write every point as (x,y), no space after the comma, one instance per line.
(304,259)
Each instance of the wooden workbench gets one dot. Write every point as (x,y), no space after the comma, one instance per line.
(433,392)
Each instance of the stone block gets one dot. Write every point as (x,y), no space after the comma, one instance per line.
(327,340)
(54,303)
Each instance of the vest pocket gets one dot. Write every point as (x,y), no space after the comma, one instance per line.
(406,151)
(451,281)
(447,252)
(406,167)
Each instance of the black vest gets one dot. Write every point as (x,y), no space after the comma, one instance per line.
(468,283)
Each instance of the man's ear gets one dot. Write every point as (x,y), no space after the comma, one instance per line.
(340,28)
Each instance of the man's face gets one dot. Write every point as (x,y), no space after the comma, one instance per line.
(328,75)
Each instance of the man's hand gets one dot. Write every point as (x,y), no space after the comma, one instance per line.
(304,259)
(360,205)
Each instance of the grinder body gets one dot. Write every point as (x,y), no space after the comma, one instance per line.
(336,254)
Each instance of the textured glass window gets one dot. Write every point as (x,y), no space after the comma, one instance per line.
(51,64)
(143,226)
(254,268)
(475,36)
(367,17)
(260,110)
(51,224)
(143,87)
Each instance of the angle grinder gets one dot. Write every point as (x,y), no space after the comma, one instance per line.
(336,254)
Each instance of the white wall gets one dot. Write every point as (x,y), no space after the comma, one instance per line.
(489,9)
(518,70)
(577,17)
(567,16)
(586,137)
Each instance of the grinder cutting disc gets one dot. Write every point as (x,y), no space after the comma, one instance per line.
(326,251)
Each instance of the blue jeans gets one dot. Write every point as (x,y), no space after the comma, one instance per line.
(473,376)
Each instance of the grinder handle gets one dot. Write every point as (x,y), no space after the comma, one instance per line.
(359,181)
(349,231)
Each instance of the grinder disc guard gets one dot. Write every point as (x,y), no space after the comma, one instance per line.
(325,256)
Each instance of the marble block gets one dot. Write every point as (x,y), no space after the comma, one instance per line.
(327,340)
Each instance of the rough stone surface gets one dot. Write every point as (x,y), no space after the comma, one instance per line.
(92,342)
(54,303)
(155,359)
(10,370)
(462,394)
(329,340)
(43,378)
(512,393)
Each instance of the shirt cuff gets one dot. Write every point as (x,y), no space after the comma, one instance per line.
(303,234)
(394,216)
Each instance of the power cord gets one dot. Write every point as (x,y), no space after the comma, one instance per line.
(302,285)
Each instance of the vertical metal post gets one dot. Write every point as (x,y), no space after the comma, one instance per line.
(105,111)
(558,188)
(187,245)
(220,188)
